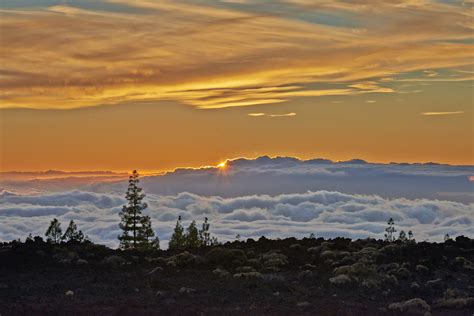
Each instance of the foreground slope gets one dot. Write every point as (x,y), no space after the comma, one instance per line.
(328,277)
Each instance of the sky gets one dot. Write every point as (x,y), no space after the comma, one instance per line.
(154,85)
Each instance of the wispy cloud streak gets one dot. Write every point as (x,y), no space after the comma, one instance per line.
(442,113)
(260,114)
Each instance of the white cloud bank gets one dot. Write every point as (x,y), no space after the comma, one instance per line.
(325,213)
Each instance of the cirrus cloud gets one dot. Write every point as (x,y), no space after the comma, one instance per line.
(210,55)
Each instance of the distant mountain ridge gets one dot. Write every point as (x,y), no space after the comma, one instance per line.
(277,175)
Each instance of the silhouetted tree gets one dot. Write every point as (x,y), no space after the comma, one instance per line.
(53,233)
(214,241)
(155,243)
(137,232)
(178,239)
(204,234)
(402,236)
(390,231)
(145,235)
(410,236)
(29,238)
(72,233)
(447,237)
(192,236)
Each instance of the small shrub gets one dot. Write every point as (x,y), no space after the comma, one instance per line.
(413,306)
(245,269)
(422,269)
(340,280)
(464,263)
(222,273)
(248,275)
(226,257)
(273,259)
(184,259)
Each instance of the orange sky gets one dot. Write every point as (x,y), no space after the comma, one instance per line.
(153,85)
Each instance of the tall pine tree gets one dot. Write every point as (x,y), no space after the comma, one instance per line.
(192,236)
(137,232)
(178,239)
(204,234)
(390,231)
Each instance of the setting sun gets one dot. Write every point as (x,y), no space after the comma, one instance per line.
(222,165)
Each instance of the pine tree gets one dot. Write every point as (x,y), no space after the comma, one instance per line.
(390,231)
(53,233)
(145,235)
(155,243)
(410,236)
(204,234)
(214,241)
(192,236)
(137,232)
(402,236)
(29,239)
(72,233)
(178,239)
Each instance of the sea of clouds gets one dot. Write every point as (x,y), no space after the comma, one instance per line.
(272,197)
(324,213)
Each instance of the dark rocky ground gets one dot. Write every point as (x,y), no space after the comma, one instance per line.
(276,277)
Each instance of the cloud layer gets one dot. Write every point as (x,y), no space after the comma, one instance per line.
(218,54)
(279,175)
(325,213)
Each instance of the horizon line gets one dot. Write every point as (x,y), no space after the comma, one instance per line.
(150,172)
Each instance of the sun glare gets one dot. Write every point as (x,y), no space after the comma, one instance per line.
(222,165)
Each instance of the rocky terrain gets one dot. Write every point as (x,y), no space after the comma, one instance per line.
(253,277)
